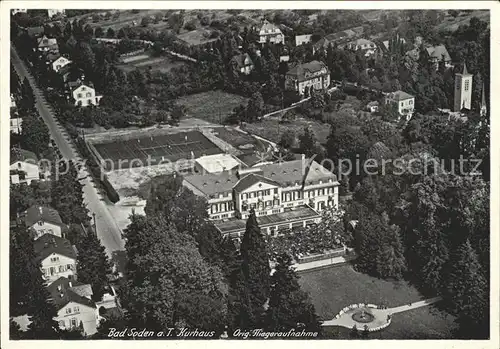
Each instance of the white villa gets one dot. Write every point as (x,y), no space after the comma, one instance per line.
(57,257)
(85,96)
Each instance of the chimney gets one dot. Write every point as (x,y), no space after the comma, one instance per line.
(192,154)
(40,209)
(303,158)
(70,284)
(186,138)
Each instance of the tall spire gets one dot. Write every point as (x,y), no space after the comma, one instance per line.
(483,97)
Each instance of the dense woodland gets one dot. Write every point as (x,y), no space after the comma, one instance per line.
(429,225)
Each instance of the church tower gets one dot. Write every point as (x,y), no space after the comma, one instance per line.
(483,109)
(463,90)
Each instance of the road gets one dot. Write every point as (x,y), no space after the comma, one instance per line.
(107,230)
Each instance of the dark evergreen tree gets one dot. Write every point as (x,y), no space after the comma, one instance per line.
(289,306)
(255,267)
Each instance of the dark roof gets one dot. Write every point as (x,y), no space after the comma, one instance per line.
(439,52)
(48,244)
(400,95)
(35,31)
(252,179)
(17,154)
(61,293)
(284,174)
(65,69)
(52,57)
(42,213)
(240,60)
(300,70)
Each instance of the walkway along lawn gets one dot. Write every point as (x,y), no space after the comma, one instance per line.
(334,288)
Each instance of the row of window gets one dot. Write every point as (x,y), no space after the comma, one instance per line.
(222,207)
(260,205)
(55,270)
(257,194)
(79,95)
(70,310)
(73,323)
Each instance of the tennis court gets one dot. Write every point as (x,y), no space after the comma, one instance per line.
(151,150)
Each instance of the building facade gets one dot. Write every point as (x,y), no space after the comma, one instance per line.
(313,75)
(404,102)
(283,195)
(271,33)
(243,63)
(57,257)
(44,220)
(463,90)
(24,167)
(302,39)
(47,45)
(74,305)
(53,12)
(59,63)
(85,96)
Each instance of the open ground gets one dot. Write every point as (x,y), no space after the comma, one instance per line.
(335,288)
(144,61)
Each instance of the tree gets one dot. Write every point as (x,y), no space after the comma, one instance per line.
(379,247)
(288,139)
(110,33)
(307,142)
(467,295)
(255,268)
(99,32)
(35,134)
(145,21)
(178,112)
(289,306)
(164,267)
(93,265)
(255,107)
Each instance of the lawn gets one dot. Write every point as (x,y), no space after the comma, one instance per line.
(212,106)
(272,130)
(451,24)
(334,288)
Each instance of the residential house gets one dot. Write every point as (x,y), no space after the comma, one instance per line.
(35,32)
(24,167)
(57,63)
(367,46)
(64,73)
(12,101)
(439,54)
(16,123)
(45,44)
(337,38)
(44,220)
(53,12)
(404,102)
(372,106)
(74,305)
(302,39)
(57,257)
(243,63)
(18,10)
(284,58)
(271,33)
(284,195)
(84,95)
(314,74)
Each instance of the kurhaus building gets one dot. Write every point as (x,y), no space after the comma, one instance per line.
(284,195)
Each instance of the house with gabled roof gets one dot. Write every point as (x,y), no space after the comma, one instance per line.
(45,44)
(57,257)
(74,305)
(57,62)
(243,63)
(43,220)
(270,33)
(404,102)
(24,167)
(284,195)
(311,75)
(438,54)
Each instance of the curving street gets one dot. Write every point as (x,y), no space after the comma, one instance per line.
(107,230)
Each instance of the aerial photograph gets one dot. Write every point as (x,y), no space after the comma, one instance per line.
(241,174)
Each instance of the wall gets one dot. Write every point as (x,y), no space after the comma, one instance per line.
(63,261)
(87,315)
(46,228)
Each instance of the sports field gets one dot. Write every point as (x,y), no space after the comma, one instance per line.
(169,147)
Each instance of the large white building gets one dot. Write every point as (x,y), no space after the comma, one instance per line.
(284,195)
(314,75)
(53,12)
(57,257)
(85,95)
(270,33)
(59,63)
(463,90)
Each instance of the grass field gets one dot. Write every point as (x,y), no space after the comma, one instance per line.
(144,61)
(450,23)
(334,288)
(173,147)
(212,106)
(196,37)
(272,130)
